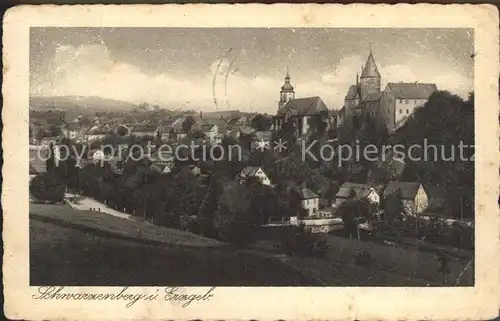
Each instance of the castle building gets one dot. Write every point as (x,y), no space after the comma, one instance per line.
(365,95)
(390,107)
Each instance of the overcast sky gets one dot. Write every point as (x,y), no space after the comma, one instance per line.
(175,67)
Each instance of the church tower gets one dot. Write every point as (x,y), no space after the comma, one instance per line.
(287,92)
(370,78)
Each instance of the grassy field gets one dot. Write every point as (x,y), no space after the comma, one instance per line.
(101,222)
(390,266)
(90,248)
(63,255)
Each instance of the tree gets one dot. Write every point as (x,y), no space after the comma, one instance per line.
(298,240)
(318,124)
(352,211)
(48,187)
(264,200)
(182,196)
(209,205)
(55,130)
(234,219)
(50,162)
(197,134)
(40,134)
(122,130)
(394,212)
(260,123)
(188,123)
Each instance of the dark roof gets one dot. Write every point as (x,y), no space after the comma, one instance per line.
(370,69)
(97,130)
(304,193)
(145,128)
(170,124)
(233,121)
(352,92)
(372,97)
(206,127)
(408,189)
(247,130)
(435,191)
(303,106)
(249,171)
(73,126)
(161,168)
(413,90)
(348,189)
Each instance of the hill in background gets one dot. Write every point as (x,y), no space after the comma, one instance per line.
(80,104)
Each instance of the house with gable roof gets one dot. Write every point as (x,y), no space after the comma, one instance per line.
(412,194)
(254,171)
(350,190)
(307,201)
(211,132)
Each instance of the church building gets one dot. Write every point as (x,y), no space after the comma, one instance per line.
(300,113)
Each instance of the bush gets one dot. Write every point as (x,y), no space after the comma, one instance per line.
(302,242)
(363,258)
(239,235)
(48,187)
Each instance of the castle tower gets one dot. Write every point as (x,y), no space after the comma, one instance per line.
(287,92)
(370,78)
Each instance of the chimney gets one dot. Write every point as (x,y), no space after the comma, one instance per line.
(201,115)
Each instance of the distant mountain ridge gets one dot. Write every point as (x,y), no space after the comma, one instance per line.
(80,103)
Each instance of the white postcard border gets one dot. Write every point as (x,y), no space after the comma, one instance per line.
(263,303)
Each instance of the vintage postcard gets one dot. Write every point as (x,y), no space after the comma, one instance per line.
(245,162)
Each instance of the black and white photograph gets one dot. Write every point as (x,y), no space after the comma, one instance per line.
(251,157)
(251,162)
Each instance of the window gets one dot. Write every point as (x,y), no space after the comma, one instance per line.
(400,111)
(407,111)
(314,210)
(401,101)
(407,101)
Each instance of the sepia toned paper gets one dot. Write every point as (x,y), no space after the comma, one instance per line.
(24,297)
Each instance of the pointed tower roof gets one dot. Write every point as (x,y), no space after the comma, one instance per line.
(370,69)
(287,86)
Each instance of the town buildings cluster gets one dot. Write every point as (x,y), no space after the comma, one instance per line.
(388,108)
